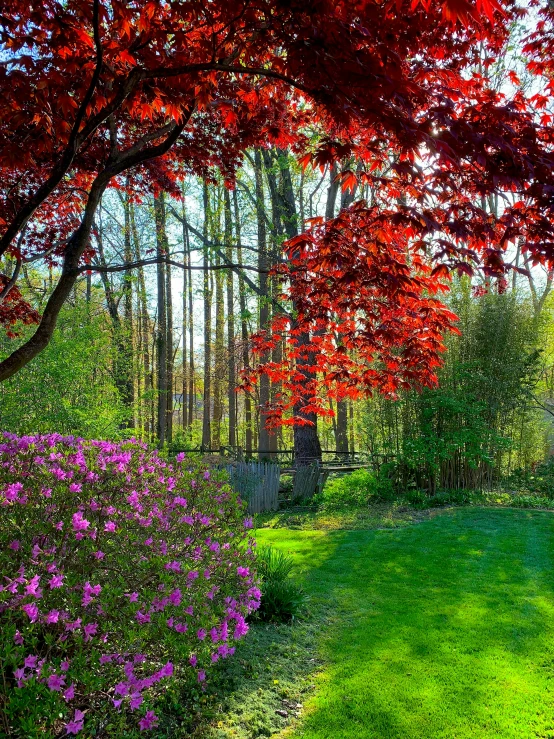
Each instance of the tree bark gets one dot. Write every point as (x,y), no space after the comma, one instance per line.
(248,436)
(263,303)
(161,335)
(206,420)
(231,364)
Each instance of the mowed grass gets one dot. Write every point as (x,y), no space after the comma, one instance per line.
(443,629)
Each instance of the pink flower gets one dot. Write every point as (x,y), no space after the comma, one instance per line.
(90,630)
(77,725)
(99,555)
(136,700)
(55,682)
(56,581)
(79,523)
(53,617)
(32,611)
(33,587)
(149,721)
(243,571)
(110,526)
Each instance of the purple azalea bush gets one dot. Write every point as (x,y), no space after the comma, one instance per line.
(120,573)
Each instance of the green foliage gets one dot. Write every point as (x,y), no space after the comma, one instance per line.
(538,481)
(481,422)
(282,598)
(69,388)
(421,498)
(355,490)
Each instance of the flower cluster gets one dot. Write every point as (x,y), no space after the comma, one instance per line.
(119,572)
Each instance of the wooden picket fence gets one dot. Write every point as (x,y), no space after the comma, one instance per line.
(257,483)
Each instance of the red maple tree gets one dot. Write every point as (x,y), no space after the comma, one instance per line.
(100,92)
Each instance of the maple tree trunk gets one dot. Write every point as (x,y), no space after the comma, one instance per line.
(206,424)
(248,436)
(306,441)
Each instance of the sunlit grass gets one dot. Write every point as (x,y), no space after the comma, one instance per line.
(439,630)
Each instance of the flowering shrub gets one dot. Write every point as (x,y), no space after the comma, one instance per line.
(119,572)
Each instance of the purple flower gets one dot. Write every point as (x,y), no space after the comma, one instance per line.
(75,487)
(243,571)
(201,676)
(32,611)
(65,666)
(110,526)
(53,617)
(79,523)
(90,630)
(77,725)
(70,692)
(149,721)
(136,700)
(56,581)
(18,639)
(56,682)
(15,545)
(201,634)
(30,662)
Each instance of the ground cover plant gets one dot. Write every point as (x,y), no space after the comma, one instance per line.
(120,573)
(439,629)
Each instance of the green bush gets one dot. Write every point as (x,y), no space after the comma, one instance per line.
(422,499)
(282,598)
(538,481)
(355,490)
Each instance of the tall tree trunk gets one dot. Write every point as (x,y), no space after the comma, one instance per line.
(231,368)
(184,325)
(191,392)
(161,335)
(128,319)
(263,313)
(219,354)
(248,436)
(306,441)
(144,329)
(206,418)
(170,357)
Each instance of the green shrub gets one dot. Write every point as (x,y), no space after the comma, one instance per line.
(531,501)
(282,598)
(355,490)
(538,481)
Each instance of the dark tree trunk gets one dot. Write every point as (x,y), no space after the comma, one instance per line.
(248,436)
(206,420)
(232,372)
(263,319)
(161,334)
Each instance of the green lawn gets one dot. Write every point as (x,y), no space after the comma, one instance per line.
(442,629)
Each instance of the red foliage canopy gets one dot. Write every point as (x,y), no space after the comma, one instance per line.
(103,91)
